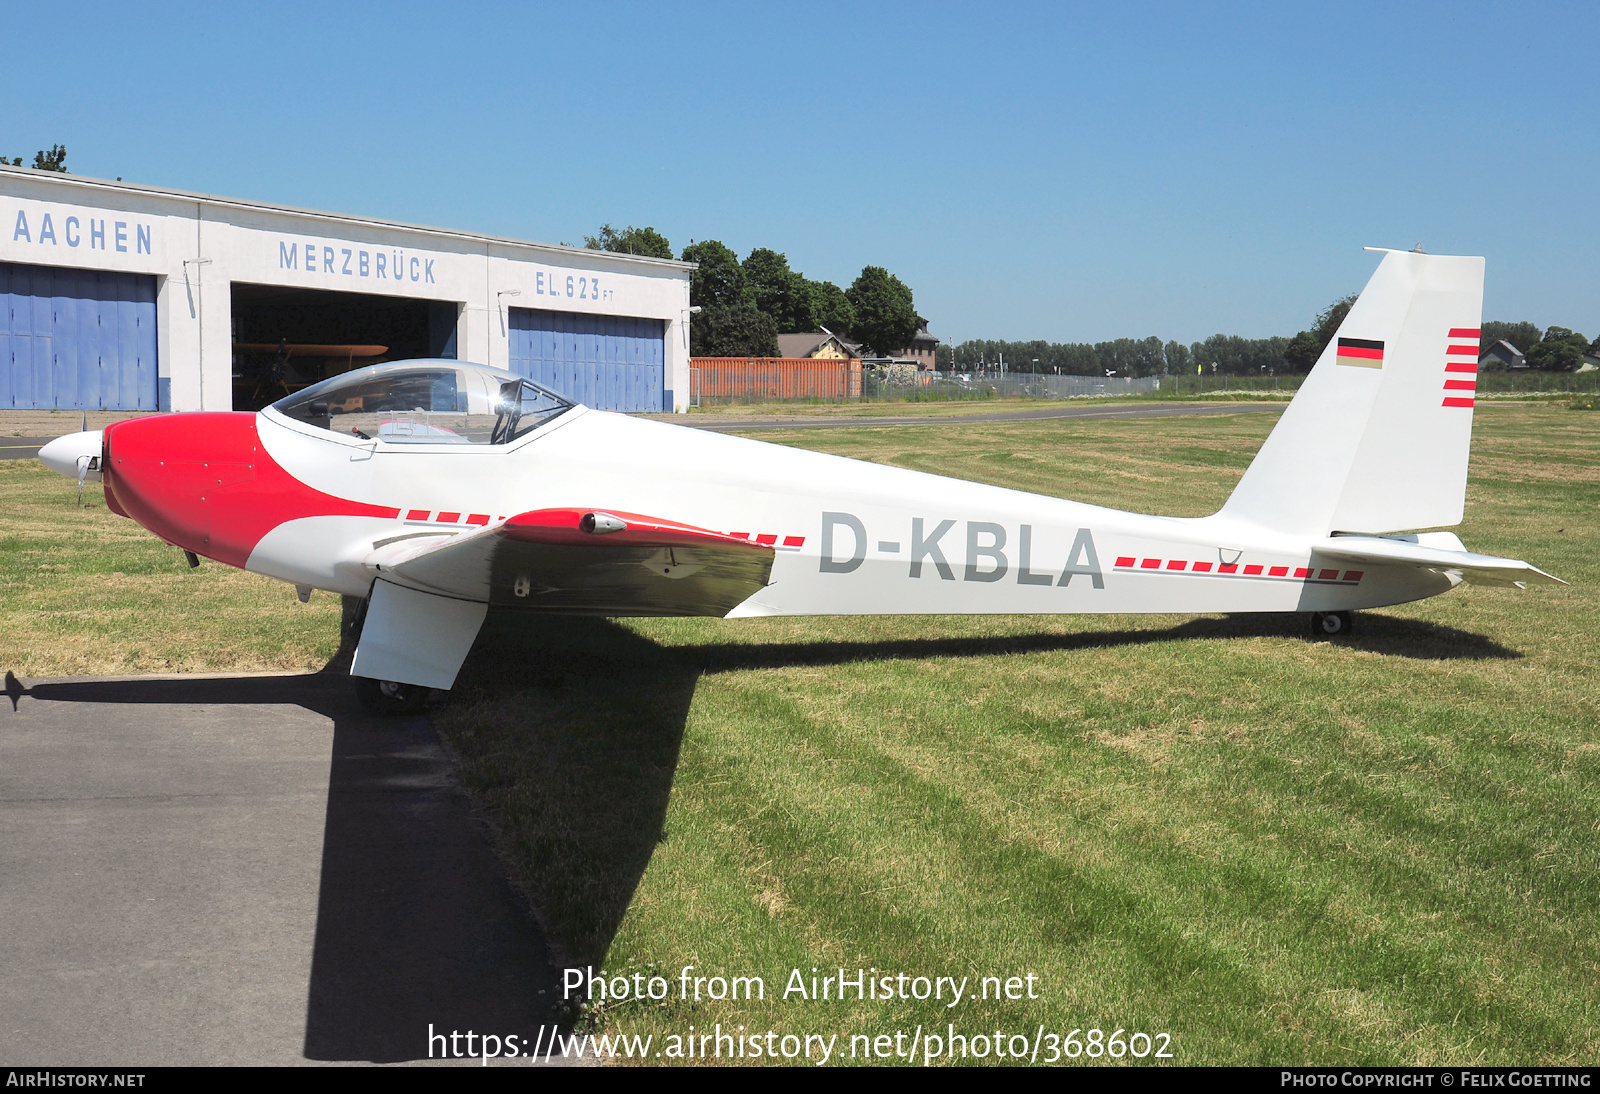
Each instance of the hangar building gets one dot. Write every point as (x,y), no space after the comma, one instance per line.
(124,297)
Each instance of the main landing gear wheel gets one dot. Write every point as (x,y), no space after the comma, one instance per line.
(1330,624)
(390,697)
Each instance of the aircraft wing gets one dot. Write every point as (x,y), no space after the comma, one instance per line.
(1443,556)
(584,562)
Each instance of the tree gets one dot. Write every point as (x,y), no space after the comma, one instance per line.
(53,160)
(1179,359)
(1523,335)
(780,292)
(1306,347)
(630,241)
(1236,356)
(1151,355)
(886,319)
(738,330)
(833,309)
(1128,356)
(1560,350)
(1124,356)
(720,280)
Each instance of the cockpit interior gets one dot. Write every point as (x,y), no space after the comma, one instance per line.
(426,402)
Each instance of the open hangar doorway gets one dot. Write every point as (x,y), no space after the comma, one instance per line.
(286,338)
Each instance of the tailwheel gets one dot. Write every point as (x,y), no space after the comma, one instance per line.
(387,698)
(1330,624)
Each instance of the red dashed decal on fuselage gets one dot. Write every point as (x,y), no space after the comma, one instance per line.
(773,540)
(431,516)
(1302,574)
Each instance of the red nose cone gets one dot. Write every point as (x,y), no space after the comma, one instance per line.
(168,473)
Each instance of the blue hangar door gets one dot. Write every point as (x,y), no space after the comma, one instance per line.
(77,339)
(609,362)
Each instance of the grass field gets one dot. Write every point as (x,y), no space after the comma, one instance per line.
(84,592)
(1380,850)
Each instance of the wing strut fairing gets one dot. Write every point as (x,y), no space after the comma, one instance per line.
(418,638)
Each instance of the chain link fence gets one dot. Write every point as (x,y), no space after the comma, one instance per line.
(892,384)
(715,381)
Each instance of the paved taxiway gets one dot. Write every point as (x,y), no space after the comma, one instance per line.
(22,448)
(244,870)
(1125,410)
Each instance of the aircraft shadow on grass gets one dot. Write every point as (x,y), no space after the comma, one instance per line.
(599,716)
(416,920)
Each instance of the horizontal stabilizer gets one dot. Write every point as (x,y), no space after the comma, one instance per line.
(1444,555)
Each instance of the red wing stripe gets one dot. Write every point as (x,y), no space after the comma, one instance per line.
(1461,368)
(766,540)
(1201,568)
(1461,351)
(794,541)
(1458,402)
(1227,567)
(1302,571)
(1278,571)
(1125,561)
(1461,385)
(478,518)
(1150,564)
(419,514)
(1176,565)
(1466,332)
(1328,575)
(1353,575)
(448,518)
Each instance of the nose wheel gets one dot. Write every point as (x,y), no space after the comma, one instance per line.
(387,698)
(1330,624)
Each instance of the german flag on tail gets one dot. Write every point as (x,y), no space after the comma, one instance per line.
(1360,352)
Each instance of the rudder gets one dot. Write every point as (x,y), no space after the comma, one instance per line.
(1376,439)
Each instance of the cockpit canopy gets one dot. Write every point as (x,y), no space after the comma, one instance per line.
(426,402)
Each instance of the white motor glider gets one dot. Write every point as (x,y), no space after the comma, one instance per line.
(435,489)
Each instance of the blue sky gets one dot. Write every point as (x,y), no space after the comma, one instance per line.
(1032,171)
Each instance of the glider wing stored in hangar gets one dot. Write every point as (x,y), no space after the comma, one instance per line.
(435,489)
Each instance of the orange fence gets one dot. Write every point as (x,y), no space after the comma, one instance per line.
(761,378)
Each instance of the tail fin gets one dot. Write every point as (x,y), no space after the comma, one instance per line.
(1376,439)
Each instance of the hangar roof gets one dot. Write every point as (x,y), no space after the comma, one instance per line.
(49,178)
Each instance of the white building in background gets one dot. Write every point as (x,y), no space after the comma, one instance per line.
(125,297)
